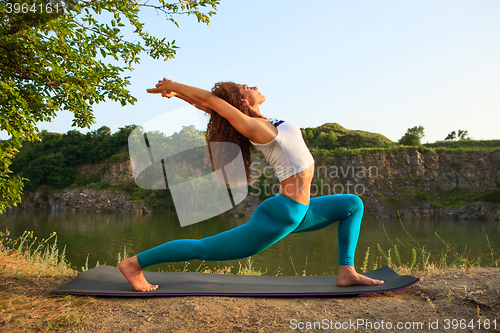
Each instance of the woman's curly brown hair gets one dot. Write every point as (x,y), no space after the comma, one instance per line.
(220,130)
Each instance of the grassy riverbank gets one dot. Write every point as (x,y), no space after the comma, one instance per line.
(31,267)
(29,270)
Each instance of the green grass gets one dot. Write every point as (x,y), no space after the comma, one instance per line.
(332,135)
(395,149)
(465,144)
(439,198)
(58,312)
(32,265)
(43,255)
(424,260)
(459,196)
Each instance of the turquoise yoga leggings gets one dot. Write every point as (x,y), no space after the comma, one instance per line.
(272,220)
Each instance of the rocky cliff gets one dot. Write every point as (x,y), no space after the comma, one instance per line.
(108,194)
(415,184)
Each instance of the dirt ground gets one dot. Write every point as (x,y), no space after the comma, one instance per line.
(455,300)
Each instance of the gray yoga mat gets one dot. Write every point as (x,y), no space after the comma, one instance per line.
(108,281)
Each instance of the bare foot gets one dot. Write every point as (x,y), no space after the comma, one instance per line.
(133,273)
(348,277)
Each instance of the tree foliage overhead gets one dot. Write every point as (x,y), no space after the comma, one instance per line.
(56,61)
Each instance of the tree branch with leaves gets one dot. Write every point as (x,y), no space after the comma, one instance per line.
(49,62)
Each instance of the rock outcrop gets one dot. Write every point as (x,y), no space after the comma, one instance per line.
(88,199)
(84,200)
(410,182)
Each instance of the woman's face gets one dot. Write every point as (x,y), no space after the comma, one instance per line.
(251,95)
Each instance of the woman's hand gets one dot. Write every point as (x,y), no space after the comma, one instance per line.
(169,94)
(162,84)
(163,87)
(195,96)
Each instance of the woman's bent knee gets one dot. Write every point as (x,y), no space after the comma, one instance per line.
(355,202)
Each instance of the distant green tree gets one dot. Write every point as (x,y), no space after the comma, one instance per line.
(74,146)
(52,169)
(308,135)
(100,134)
(463,135)
(50,60)
(53,160)
(451,136)
(331,140)
(109,144)
(412,136)
(321,140)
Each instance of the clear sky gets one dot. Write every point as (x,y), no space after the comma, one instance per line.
(375,65)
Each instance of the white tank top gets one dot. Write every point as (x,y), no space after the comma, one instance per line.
(287,152)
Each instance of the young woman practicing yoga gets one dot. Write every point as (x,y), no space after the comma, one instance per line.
(235,117)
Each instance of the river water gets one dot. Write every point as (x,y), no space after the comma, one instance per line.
(100,237)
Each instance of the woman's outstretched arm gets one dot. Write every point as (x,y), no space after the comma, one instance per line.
(170,94)
(187,100)
(252,128)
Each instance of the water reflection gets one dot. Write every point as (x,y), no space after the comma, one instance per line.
(102,236)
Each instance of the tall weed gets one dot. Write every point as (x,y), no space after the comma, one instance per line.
(424,260)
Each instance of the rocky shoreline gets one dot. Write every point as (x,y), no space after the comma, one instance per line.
(408,182)
(85,200)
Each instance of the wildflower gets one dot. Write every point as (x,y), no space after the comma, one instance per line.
(8,233)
